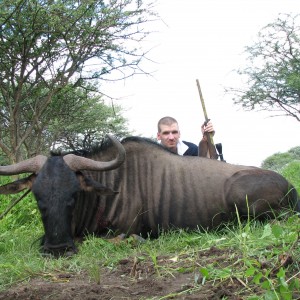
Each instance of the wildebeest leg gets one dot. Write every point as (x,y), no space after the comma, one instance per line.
(265,191)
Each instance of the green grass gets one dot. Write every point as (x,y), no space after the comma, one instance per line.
(254,253)
(247,247)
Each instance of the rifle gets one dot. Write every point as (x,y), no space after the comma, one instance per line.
(207,147)
(219,149)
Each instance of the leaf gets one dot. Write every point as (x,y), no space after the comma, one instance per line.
(204,272)
(285,293)
(267,231)
(266,285)
(270,295)
(257,277)
(277,231)
(250,271)
(280,273)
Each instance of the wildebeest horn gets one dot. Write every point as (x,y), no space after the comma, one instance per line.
(31,165)
(77,163)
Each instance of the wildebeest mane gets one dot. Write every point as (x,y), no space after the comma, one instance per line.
(84,152)
(144,140)
(56,152)
(60,152)
(106,144)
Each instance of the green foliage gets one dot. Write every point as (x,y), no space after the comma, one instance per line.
(274,280)
(292,173)
(273,71)
(278,161)
(77,118)
(23,214)
(50,47)
(3,159)
(250,252)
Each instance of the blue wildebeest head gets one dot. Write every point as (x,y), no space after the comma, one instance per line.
(55,181)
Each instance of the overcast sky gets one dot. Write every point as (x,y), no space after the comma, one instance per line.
(205,40)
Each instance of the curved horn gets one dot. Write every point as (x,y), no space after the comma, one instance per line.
(31,165)
(77,163)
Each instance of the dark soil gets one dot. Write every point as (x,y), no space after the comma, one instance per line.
(133,278)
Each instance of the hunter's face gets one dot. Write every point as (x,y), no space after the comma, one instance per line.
(169,136)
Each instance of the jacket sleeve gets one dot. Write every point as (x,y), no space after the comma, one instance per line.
(192,150)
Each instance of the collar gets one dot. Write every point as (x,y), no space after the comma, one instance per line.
(181,147)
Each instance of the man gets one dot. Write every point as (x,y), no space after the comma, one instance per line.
(169,136)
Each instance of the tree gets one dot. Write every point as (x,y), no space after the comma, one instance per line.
(75,119)
(48,45)
(273,73)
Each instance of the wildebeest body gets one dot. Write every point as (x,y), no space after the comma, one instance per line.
(159,190)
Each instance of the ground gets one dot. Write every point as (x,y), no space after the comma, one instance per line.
(135,278)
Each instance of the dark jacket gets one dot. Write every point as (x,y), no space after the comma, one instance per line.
(192,150)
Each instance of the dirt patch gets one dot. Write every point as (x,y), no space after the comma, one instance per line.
(136,278)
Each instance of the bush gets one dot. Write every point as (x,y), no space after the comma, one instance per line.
(278,161)
(292,173)
(22,214)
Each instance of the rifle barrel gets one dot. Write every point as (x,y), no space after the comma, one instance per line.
(202,101)
(209,137)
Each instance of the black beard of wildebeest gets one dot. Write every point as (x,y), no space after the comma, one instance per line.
(156,190)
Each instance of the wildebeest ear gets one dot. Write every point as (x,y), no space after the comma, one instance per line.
(18,185)
(90,185)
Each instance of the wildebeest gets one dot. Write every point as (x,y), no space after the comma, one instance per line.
(157,190)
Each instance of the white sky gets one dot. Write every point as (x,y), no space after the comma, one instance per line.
(204,39)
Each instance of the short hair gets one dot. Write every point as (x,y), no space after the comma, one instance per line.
(166,121)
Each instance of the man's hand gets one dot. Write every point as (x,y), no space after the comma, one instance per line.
(208,127)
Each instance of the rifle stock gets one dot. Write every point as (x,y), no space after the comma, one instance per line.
(206,145)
